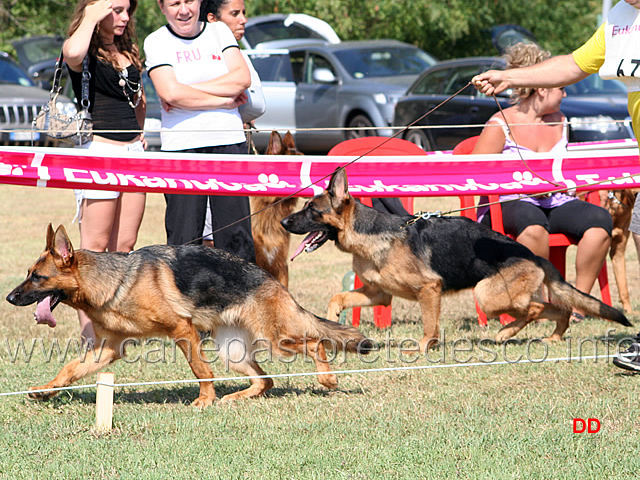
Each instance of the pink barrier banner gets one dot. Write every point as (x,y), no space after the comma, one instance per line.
(436,174)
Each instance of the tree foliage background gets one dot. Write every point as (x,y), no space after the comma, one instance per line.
(444,28)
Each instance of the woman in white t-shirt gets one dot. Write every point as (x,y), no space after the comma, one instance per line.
(200,76)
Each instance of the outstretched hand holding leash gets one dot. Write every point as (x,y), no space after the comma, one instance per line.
(555,72)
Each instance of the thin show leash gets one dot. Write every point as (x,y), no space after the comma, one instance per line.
(283,199)
(510,131)
(418,215)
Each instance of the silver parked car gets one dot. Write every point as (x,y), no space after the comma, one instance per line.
(326,93)
(20,101)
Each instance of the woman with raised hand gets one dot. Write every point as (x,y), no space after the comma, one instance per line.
(103,32)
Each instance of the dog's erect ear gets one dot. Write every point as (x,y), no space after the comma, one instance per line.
(50,237)
(338,187)
(288,141)
(275,144)
(62,246)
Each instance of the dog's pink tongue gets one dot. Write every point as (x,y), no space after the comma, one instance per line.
(303,244)
(43,313)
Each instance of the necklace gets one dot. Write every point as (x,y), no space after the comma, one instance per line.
(134,87)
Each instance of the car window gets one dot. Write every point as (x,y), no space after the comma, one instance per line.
(384,62)
(277,30)
(11,73)
(315,62)
(272,68)
(39,50)
(594,85)
(506,35)
(297,66)
(433,83)
(462,76)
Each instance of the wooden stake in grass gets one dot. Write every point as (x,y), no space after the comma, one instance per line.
(104,401)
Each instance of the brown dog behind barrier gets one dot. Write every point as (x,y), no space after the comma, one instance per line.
(270,239)
(619,203)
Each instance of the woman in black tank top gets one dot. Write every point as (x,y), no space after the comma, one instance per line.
(103,31)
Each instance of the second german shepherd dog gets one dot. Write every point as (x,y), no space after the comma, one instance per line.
(271,241)
(178,291)
(423,259)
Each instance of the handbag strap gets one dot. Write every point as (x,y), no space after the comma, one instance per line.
(86,76)
(57,75)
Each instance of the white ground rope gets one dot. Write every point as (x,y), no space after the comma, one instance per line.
(337,372)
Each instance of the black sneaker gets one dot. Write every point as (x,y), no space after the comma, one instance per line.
(629,359)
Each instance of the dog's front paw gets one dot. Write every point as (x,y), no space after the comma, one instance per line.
(330,381)
(426,343)
(34,394)
(504,335)
(553,338)
(202,401)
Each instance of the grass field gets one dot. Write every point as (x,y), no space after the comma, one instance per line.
(501,421)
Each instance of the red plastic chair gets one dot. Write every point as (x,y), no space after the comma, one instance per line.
(377,146)
(466,146)
(392,147)
(558,242)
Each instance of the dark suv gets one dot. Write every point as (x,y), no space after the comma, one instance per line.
(20,101)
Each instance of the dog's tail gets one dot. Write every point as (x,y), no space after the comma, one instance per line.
(567,295)
(340,336)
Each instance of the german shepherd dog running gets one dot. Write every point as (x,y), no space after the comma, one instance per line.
(178,291)
(271,241)
(430,257)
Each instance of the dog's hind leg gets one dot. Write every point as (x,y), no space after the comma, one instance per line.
(188,339)
(258,386)
(560,316)
(511,291)
(106,351)
(237,352)
(521,321)
(328,378)
(316,349)
(538,310)
(366,296)
(313,347)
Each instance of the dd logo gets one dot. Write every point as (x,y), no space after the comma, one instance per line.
(590,425)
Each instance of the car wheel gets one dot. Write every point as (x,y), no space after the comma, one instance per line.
(360,121)
(420,139)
